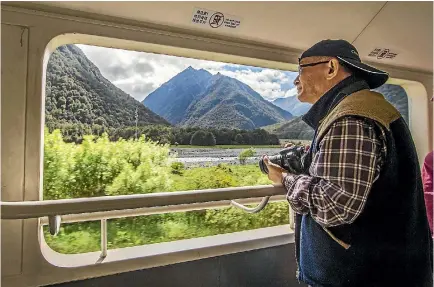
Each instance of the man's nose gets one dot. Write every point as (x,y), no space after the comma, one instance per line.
(297,80)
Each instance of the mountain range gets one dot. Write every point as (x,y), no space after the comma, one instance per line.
(77,93)
(198,98)
(292,105)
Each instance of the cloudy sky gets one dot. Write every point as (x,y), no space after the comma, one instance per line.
(139,74)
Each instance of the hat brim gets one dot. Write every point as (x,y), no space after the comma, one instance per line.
(374,77)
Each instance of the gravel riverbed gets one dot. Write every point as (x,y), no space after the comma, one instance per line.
(199,157)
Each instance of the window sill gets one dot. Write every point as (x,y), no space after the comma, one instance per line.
(160,254)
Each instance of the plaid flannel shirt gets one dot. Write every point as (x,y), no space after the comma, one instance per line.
(342,172)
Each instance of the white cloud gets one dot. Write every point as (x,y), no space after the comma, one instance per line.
(290,93)
(138,73)
(268,83)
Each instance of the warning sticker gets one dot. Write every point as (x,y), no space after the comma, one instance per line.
(380,53)
(214,19)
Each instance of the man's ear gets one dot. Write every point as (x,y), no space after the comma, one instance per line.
(334,67)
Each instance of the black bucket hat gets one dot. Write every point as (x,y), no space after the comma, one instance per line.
(348,54)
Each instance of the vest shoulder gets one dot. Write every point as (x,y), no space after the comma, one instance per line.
(365,103)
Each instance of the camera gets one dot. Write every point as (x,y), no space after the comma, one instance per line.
(289,158)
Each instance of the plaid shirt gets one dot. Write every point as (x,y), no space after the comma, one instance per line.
(342,172)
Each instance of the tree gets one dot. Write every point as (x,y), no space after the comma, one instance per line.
(100,121)
(198,138)
(203,138)
(274,140)
(239,139)
(224,138)
(209,139)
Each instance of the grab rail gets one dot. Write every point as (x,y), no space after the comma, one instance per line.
(53,212)
(36,209)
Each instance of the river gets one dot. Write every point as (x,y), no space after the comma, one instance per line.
(193,157)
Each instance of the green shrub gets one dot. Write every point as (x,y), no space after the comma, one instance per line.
(177,168)
(246,154)
(99,167)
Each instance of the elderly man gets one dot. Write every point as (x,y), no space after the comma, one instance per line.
(360,212)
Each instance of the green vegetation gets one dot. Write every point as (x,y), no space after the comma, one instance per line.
(167,135)
(293,129)
(177,168)
(203,138)
(99,167)
(245,154)
(77,93)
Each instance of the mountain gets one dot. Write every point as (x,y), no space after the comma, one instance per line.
(172,99)
(292,105)
(229,103)
(292,129)
(197,98)
(77,93)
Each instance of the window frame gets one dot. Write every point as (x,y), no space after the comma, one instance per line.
(49,30)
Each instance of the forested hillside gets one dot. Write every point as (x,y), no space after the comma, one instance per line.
(77,93)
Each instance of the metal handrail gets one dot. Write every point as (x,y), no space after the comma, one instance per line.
(50,208)
(113,214)
(255,209)
(107,207)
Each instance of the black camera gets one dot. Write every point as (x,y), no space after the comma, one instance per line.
(289,158)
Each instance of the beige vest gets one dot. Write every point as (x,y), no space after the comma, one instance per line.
(364,103)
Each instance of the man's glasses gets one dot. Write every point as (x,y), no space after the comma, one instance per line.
(300,66)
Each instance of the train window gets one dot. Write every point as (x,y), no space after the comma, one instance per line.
(397,96)
(122,122)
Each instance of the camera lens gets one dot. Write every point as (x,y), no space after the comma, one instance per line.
(277,159)
(262,166)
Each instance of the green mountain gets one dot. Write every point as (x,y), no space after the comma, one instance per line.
(77,93)
(292,129)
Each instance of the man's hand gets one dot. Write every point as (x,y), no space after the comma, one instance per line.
(275,172)
(306,147)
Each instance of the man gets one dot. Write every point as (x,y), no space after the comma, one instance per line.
(360,213)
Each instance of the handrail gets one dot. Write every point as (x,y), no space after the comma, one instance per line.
(255,209)
(36,209)
(113,214)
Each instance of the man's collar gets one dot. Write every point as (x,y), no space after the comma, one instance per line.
(331,98)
